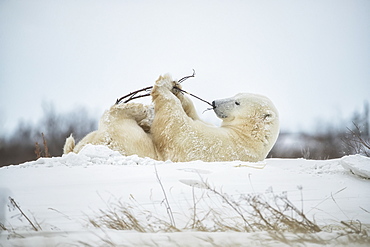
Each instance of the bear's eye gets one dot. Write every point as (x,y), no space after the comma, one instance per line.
(237,103)
(266,116)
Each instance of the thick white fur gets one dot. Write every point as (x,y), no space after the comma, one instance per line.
(123,128)
(249,129)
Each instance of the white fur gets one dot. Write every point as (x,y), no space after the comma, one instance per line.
(123,128)
(249,129)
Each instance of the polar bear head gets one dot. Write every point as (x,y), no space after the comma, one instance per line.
(252,113)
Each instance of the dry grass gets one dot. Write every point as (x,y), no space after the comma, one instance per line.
(39,153)
(35,225)
(215,211)
(271,213)
(251,213)
(121,216)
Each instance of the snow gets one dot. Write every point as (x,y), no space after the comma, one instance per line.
(358,165)
(61,194)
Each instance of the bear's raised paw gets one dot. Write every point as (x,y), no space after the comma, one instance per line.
(165,82)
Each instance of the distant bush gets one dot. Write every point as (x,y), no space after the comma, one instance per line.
(328,142)
(21,145)
(327,145)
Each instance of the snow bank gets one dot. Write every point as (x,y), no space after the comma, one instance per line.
(357,164)
(63,193)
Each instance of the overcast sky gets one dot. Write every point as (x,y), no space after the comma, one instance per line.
(311,58)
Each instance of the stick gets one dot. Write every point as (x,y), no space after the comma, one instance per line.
(132,95)
(193,96)
(167,204)
(187,77)
(20,210)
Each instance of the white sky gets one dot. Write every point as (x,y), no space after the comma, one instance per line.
(312,58)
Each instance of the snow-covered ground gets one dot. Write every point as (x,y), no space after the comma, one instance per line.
(59,195)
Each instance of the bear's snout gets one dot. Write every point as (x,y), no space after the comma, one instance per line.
(220,108)
(218,103)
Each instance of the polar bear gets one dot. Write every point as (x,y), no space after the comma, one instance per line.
(249,129)
(124,128)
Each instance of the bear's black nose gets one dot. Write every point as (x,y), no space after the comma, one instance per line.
(213,104)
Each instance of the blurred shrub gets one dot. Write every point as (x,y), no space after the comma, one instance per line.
(20,146)
(328,141)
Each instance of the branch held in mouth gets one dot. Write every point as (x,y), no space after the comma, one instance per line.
(144,92)
(133,95)
(183,91)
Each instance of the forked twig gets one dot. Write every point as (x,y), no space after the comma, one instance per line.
(186,77)
(133,95)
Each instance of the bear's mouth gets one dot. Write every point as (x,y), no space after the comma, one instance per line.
(220,114)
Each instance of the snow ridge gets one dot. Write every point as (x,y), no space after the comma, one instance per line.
(92,155)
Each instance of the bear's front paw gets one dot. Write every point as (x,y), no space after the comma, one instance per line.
(176,88)
(165,82)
